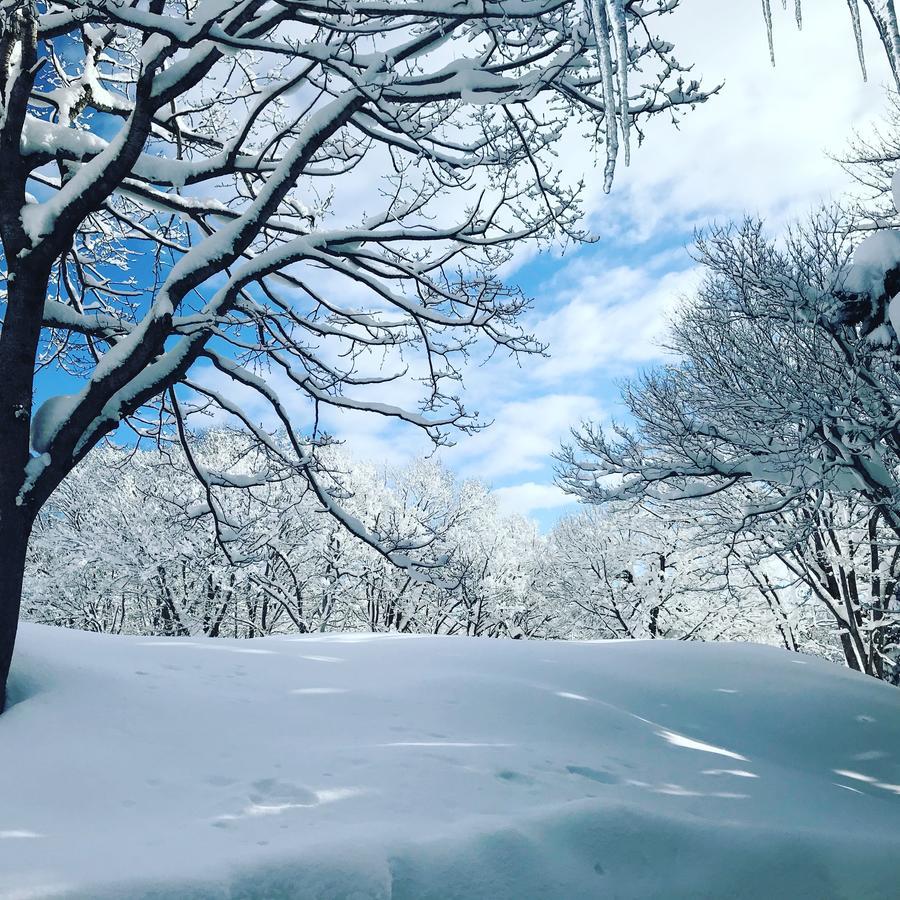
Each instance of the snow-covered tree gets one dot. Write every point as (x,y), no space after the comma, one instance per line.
(123,546)
(203,202)
(781,417)
(627,571)
(839,548)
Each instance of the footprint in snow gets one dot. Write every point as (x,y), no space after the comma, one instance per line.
(598,775)
(514,777)
(219,781)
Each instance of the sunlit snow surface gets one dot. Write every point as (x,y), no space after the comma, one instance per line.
(416,768)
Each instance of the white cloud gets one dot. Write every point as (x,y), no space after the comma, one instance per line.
(522,437)
(610,318)
(530,497)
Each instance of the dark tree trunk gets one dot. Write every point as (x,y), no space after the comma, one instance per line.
(653,626)
(14,530)
(21,329)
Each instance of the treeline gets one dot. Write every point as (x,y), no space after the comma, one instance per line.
(132,544)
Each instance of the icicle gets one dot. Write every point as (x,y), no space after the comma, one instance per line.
(857,33)
(600,21)
(620,31)
(892,41)
(798,13)
(767,15)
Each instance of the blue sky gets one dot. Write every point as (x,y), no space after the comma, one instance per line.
(760,147)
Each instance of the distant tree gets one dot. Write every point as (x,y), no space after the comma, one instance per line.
(124,546)
(623,571)
(181,195)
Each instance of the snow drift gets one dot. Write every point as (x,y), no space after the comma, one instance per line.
(358,766)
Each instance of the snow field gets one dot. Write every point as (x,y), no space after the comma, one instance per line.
(368,766)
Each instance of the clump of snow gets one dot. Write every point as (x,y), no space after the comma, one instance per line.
(876,255)
(196,510)
(881,336)
(873,259)
(428,768)
(33,469)
(49,417)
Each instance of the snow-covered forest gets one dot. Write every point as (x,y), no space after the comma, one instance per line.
(269,628)
(126,547)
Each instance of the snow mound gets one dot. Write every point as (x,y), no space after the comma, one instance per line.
(372,767)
